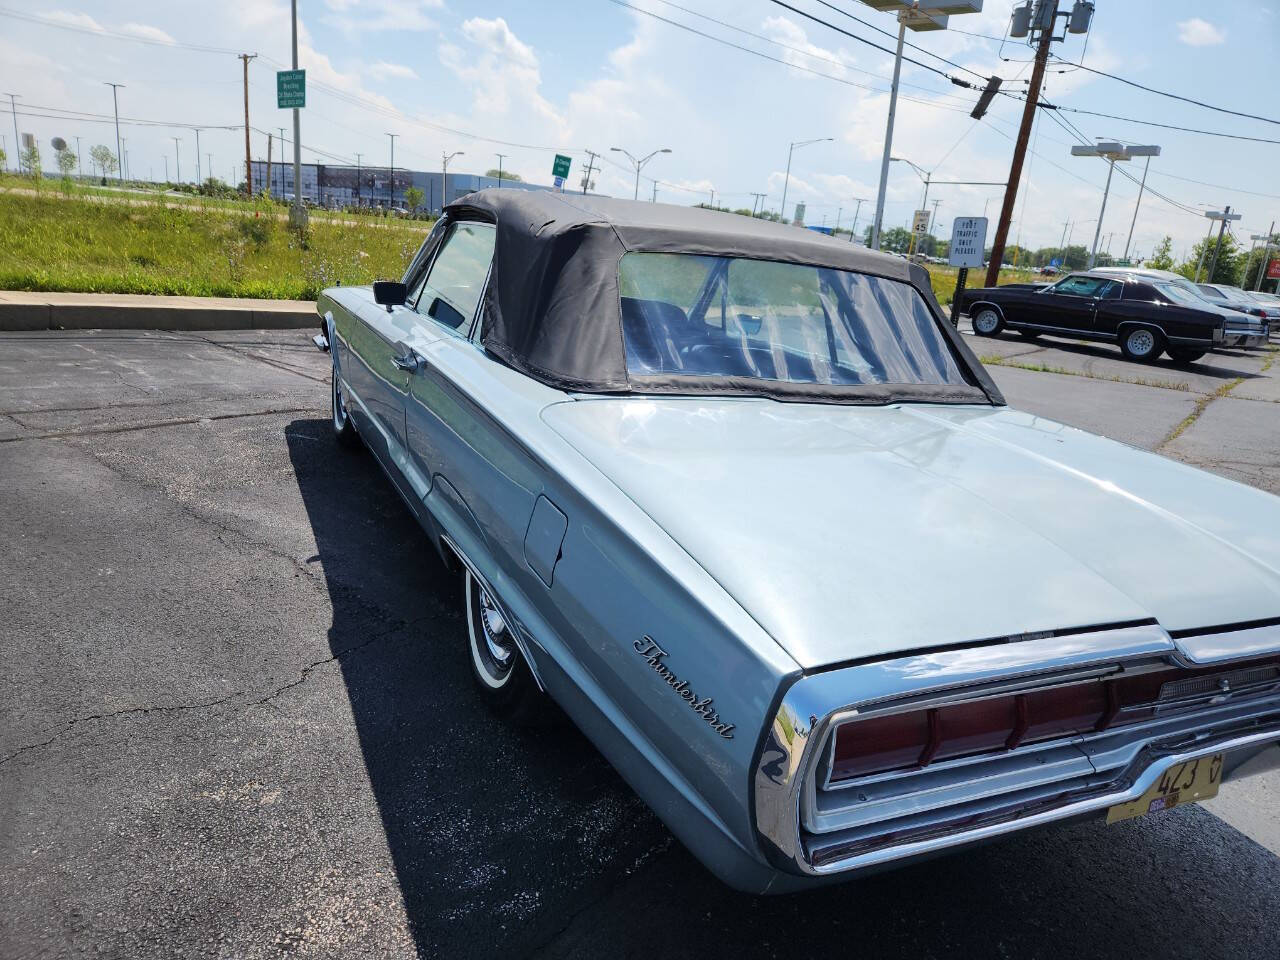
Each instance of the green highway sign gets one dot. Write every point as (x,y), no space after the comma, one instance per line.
(561,167)
(291,89)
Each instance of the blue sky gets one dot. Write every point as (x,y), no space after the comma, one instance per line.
(572,75)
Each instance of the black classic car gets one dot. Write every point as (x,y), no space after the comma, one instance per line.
(1146,315)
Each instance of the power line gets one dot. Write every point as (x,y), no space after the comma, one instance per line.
(1163,126)
(887,33)
(802,52)
(785,63)
(853,36)
(114,34)
(1172,96)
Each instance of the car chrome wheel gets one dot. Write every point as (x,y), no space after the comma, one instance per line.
(987,323)
(493,647)
(1142,344)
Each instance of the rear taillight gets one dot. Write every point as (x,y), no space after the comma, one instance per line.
(911,739)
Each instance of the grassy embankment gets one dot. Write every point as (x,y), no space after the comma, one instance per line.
(91,239)
(52,241)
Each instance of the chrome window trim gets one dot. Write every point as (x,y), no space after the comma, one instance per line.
(798,735)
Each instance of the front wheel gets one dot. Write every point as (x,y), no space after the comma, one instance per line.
(504,680)
(1185,354)
(1141,344)
(344,431)
(987,322)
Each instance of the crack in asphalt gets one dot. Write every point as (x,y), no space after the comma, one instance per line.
(1202,404)
(304,674)
(149,425)
(261,359)
(145,711)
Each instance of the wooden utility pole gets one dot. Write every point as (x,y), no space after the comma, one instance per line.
(1019,154)
(248,161)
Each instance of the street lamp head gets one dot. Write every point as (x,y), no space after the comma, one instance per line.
(665,150)
(1143,150)
(617,150)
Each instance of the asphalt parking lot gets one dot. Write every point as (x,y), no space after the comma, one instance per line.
(237,719)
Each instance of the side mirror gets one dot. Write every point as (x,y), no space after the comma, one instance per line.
(390,293)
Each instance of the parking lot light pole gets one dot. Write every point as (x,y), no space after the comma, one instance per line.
(856,210)
(639,165)
(1266,254)
(444,175)
(1111,152)
(1137,203)
(786,181)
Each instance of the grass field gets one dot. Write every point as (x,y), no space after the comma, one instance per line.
(95,240)
(56,242)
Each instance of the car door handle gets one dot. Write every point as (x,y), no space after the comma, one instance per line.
(410,360)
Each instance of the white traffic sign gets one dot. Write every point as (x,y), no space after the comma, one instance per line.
(920,224)
(968,241)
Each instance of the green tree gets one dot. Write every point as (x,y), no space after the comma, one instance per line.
(1230,266)
(31,160)
(66,163)
(413,198)
(506,175)
(105,159)
(1162,258)
(1254,263)
(4,158)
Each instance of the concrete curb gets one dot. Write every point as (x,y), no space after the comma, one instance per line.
(117,311)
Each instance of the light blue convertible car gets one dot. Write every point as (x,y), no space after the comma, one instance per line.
(740,500)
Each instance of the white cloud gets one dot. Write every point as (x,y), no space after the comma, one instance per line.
(391,71)
(1200,33)
(503,75)
(799,52)
(146,32)
(75,19)
(369,16)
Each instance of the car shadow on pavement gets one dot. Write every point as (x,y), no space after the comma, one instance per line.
(528,843)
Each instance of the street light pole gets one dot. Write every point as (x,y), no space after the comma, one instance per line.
(1137,203)
(1217,248)
(786,182)
(444,176)
(639,165)
(888,136)
(177,160)
(856,210)
(501,157)
(17,141)
(297,212)
(392,202)
(199,176)
(115,103)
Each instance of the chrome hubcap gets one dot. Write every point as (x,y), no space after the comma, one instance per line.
(1141,342)
(339,405)
(496,636)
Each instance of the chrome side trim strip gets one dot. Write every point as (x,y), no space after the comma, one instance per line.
(812,704)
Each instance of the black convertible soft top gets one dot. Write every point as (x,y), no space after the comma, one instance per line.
(551,309)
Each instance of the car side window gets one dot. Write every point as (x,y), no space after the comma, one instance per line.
(1112,290)
(1078,286)
(456,278)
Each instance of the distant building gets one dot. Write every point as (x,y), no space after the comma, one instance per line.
(330,185)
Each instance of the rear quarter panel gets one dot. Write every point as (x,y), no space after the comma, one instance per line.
(619,581)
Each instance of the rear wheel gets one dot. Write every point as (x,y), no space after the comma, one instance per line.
(987,322)
(504,680)
(1185,354)
(343,429)
(1142,344)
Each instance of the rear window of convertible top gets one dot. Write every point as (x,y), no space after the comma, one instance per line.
(700,316)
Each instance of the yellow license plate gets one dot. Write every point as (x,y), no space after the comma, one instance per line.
(1184,782)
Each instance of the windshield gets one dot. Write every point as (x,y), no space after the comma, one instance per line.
(696,316)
